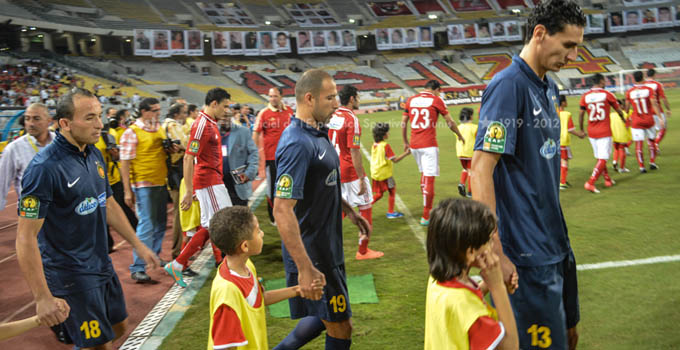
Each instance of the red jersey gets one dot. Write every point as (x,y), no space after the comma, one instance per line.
(345,134)
(640,97)
(423,111)
(205,144)
(597,103)
(271,122)
(658,91)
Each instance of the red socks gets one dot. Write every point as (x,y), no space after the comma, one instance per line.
(660,136)
(600,167)
(563,173)
(427,186)
(194,245)
(390,200)
(640,156)
(652,150)
(463,176)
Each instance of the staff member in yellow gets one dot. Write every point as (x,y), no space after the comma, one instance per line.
(144,173)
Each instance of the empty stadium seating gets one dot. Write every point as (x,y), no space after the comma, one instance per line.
(415,70)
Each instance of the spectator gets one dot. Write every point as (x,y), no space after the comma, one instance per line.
(143,171)
(192,114)
(240,160)
(172,126)
(18,153)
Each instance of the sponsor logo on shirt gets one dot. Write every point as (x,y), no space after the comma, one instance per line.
(87,206)
(194,145)
(102,199)
(284,187)
(494,139)
(549,149)
(332,178)
(29,206)
(336,123)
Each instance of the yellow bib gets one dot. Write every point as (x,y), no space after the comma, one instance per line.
(565,136)
(149,163)
(381,167)
(620,133)
(112,170)
(469,132)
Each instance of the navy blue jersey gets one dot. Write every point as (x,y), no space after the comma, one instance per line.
(308,170)
(519,120)
(69,189)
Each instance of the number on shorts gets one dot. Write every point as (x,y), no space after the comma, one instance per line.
(545,340)
(339,304)
(91,329)
(640,105)
(424,114)
(596,111)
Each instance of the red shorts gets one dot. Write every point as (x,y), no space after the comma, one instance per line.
(384,185)
(565,152)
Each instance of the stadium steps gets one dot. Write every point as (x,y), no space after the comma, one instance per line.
(620,57)
(461,68)
(393,78)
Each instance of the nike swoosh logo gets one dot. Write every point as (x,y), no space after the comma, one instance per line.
(70,184)
(537,111)
(322,155)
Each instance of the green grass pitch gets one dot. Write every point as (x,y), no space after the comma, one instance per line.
(621,308)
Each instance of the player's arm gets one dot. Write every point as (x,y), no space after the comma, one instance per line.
(287,224)
(358,220)
(51,311)
(452,125)
(404,130)
(656,111)
(398,158)
(12,329)
(667,105)
(358,165)
(116,218)
(188,168)
(581,113)
(129,196)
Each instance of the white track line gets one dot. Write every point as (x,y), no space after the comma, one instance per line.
(23,308)
(8,258)
(623,263)
(410,220)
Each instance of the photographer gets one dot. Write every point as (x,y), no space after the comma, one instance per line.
(240,160)
(172,125)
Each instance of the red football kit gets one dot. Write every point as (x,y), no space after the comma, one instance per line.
(597,103)
(205,144)
(345,134)
(271,124)
(423,110)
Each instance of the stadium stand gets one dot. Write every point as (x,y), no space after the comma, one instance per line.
(656,53)
(416,70)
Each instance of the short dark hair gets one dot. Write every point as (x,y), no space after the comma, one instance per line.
(562,98)
(651,72)
(379,131)
(120,114)
(638,76)
(310,82)
(433,84)
(66,108)
(216,94)
(230,226)
(455,226)
(465,114)
(346,93)
(192,107)
(146,103)
(175,109)
(554,15)
(597,78)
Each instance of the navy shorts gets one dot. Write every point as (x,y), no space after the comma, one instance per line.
(334,303)
(546,304)
(94,312)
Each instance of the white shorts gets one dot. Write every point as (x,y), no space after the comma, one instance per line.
(427,160)
(350,193)
(643,134)
(657,124)
(602,147)
(212,199)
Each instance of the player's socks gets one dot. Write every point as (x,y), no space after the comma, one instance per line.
(638,153)
(652,150)
(605,173)
(600,166)
(194,245)
(367,213)
(376,197)
(217,253)
(337,343)
(305,331)
(660,136)
(463,176)
(390,199)
(428,196)
(563,174)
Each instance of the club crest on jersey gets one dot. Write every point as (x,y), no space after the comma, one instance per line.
(494,139)
(549,149)
(284,187)
(100,170)
(29,207)
(194,145)
(87,206)
(332,178)
(356,140)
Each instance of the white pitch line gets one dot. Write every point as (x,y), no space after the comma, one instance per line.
(8,258)
(623,263)
(410,220)
(22,309)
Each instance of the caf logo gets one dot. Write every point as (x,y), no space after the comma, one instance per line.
(496,132)
(29,202)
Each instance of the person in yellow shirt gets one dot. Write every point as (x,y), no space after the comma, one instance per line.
(464,150)
(192,111)
(621,136)
(382,159)
(456,316)
(566,127)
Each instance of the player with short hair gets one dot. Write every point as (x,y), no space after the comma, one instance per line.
(423,111)
(344,131)
(660,96)
(641,98)
(270,123)
(515,171)
(566,128)
(597,102)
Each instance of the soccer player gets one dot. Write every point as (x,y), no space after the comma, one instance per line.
(621,136)
(423,110)
(345,135)
(597,103)
(270,123)
(61,245)
(660,96)
(515,171)
(641,98)
(203,165)
(308,211)
(464,150)
(566,128)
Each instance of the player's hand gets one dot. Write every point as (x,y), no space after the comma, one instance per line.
(309,280)
(243,178)
(509,270)
(52,311)
(461,138)
(150,258)
(185,204)
(407,147)
(362,187)
(490,269)
(572,337)
(662,123)
(129,199)
(361,222)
